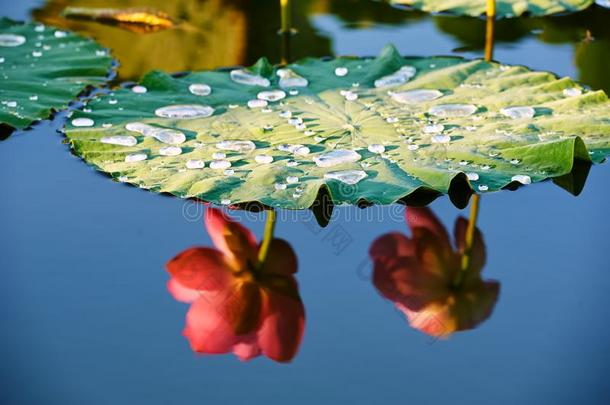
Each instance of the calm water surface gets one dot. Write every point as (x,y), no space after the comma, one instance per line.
(85,310)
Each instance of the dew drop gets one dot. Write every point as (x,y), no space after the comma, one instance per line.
(13,104)
(165,135)
(184,111)
(522,178)
(11,40)
(60,34)
(391,120)
(271,96)
(434,128)
(309,132)
(195,164)
(236,146)
(518,112)
(225,201)
(220,164)
(288,78)
(280,186)
(33,98)
(285,114)
(402,75)
(376,148)
(350,177)
(219,155)
(292,163)
(341,71)
(135,157)
(452,110)
(350,96)
(472,176)
(293,92)
(229,172)
(243,76)
(515,161)
(302,151)
(292,179)
(200,89)
(336,157)
(483,187)
(121,140)
(139,89)
(256,103)
(82,122)
(263,159)
(36,54)
(413,147)
(170,151)
(572,92)
(440,138)
(416,96)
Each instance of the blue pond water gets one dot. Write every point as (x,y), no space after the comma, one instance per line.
(86,316)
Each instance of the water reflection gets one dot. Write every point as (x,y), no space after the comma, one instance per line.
(238,305)
(212,33)
(215,33)
(425,277)
(588,31)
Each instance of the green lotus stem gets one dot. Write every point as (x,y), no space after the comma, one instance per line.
(470,230)
(267,236)
(489,36)
(286,20)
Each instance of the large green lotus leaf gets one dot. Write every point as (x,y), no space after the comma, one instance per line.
(363,142)
(504,8)
(43,69)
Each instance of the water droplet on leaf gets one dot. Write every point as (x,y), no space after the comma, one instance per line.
(518,112)
(120,140)
(243,76)
(452,110)
(200,89)
(184,111)
(336,157)
(82,122)
(416,96)
(350,177)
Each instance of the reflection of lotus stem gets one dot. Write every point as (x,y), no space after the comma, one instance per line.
(267,236)
(470,230)
(285,47)
(489,36)
(491,8)
(285,10)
